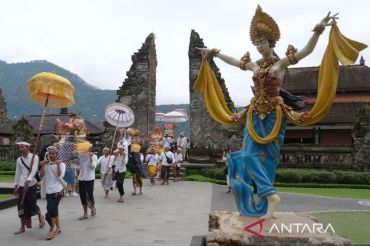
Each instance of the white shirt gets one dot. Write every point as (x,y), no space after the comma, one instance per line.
(187,144)
(125,142)
(21,172)
(103,161)
(87,168)
(121,163)
(163,158)
(178,159)
(167,141)
(152,159)
(181,142)
(53,182)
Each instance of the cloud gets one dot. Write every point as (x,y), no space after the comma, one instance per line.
(96,39)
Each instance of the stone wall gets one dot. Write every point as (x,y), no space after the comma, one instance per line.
(107,137)
(8,152)
(3,111)
(138,91)
(317,156)
(208,138)
(361,137)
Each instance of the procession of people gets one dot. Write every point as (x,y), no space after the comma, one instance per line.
(67,169)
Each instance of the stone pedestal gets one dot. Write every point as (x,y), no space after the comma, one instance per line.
(228,228)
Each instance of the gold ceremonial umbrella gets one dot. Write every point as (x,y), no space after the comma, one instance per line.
(48,90)
(51,90)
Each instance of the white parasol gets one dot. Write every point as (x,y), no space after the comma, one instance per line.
(159,116)
(181,110)
(118,115)
(175,117)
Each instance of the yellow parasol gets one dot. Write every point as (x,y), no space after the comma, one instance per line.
(52,89)
(48,90)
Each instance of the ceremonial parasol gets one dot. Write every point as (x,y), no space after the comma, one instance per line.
(181,110)
(118,115)
(159,116)
(48,90)
(175,117)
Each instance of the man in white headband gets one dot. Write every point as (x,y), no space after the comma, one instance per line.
(120,169)
(25,185)
(106,161)
(53,172)
(177,164)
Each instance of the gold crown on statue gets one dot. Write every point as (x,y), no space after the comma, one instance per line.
(264,26)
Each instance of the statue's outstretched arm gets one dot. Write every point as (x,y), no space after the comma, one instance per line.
(243,63)
(293,56)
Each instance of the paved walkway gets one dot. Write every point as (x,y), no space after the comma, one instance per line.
(163,215)
(6,185)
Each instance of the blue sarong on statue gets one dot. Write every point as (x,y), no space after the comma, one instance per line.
(257,162)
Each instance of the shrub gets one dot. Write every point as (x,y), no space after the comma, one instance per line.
(315,185)
(192,172)
(322,176)
(304,176)
(214,173)
(287,176)
(7,173)
(7,165)
(200,178)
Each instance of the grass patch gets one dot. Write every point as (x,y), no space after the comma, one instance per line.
(315,185)
(352,225)
(5,196)
(332,192)
(6,178)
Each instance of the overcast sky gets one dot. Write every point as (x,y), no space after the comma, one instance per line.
(96,38)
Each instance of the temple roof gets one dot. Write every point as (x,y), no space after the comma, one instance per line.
(340,113)
(354,78)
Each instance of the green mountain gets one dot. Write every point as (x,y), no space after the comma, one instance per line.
(90,101)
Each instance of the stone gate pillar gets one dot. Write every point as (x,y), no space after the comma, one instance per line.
(138,91)
(207,137)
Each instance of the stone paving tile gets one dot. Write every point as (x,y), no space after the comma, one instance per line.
(163,215)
